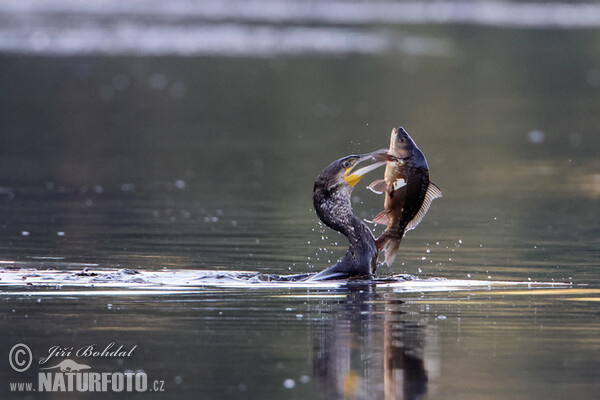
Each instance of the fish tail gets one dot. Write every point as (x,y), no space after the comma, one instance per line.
(389,246)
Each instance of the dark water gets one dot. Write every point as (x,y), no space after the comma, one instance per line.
(198,161)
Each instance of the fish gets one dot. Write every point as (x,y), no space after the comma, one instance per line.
(408,192)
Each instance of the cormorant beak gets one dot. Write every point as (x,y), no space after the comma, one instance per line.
(353,177)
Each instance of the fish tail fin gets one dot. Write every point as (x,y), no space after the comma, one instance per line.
(389,246)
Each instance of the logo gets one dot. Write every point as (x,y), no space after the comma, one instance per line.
(69,366)
(69,375)
(20,357)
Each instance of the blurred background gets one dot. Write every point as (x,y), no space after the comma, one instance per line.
(189,134)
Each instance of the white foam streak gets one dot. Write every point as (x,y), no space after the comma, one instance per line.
(140,283)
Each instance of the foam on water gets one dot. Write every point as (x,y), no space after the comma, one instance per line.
(140,282)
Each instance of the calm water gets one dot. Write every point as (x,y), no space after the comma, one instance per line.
(203,158)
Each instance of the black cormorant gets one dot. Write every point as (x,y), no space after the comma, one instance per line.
(331,198)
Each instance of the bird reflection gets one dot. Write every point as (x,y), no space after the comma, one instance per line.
(367,348)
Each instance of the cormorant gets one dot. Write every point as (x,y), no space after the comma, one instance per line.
(331,198)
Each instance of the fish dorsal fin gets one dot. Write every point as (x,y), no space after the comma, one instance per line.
(433,192)
(378,186)
(383,218)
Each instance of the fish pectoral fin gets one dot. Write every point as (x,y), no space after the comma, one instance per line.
(433,192)
(378,186)
(383,218)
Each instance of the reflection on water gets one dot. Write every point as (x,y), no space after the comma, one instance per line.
(360,352)
(354,342)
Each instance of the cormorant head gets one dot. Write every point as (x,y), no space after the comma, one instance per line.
(401,144)
(342,171)
(331,194)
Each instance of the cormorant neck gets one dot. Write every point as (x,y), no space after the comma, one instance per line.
(357,232)
(334,208)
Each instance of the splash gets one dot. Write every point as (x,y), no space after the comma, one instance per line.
(140,282)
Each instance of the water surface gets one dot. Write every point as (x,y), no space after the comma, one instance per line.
(162,159)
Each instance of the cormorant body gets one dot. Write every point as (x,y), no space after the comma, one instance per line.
(332,202)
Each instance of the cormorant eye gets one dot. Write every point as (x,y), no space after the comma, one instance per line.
(346,164)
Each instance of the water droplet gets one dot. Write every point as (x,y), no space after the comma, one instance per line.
(25,233)
(536,137)
(180,184)
(127,187)
(459,241)
(289,383)
(423,258)
(60,233)
(468,275)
